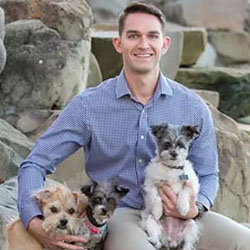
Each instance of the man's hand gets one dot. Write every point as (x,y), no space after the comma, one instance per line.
(169,201)
(53,242)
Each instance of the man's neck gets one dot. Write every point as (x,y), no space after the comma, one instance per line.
(142,86)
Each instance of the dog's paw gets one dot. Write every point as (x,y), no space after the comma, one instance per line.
(183,208)
(157,209)
(155,242)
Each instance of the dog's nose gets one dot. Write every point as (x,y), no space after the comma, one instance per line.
(173,154)
(63,222)
(104,210)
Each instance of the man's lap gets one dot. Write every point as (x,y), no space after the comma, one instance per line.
(218,232)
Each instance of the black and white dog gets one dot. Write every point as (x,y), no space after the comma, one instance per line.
(170,166)
(103,198)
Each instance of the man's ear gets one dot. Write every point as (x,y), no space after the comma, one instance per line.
(166,44)
(117,44)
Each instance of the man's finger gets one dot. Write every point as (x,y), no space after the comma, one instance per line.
(65,245)
(168,192)
(71,238)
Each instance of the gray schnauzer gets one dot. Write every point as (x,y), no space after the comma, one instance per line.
(171,166)
(103,199)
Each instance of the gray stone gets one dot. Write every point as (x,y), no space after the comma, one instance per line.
(10,161)
(194,42)
(232,47)
(211,97)
(208,58)
(245,120)
(42,70)
(171,61)
(211,14)
(232,84)
(71,19)
(247,20)
(2,24)
(94,74)
(109,60)
(106,12)
(15,139)
(3,54)
(244,127)
(14,147)
(233,199)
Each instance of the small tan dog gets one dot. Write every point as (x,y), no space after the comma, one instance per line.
(62,210)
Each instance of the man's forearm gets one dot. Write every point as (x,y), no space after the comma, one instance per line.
(208,189)
(30,179)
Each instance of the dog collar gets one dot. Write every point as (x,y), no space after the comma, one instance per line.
(173,167)
(94,228)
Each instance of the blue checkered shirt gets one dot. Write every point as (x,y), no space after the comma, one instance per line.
(114,131)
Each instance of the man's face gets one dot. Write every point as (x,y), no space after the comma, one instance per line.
(141,43)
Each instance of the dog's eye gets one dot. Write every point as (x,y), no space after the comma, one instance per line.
(98,200)
(180,145)
(54,209)
(167,145)
(71,211)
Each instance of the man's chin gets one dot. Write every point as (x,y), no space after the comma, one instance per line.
(143,70)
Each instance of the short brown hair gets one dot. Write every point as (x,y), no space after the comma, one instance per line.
(140,7)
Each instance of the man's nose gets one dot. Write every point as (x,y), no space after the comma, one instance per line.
(143,43)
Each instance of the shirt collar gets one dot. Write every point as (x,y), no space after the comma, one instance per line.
(122,88)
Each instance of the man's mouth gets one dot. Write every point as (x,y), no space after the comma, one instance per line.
(143,55)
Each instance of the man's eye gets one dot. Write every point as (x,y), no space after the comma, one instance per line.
(132,36)
(71,211)
(153,36)
(54,209)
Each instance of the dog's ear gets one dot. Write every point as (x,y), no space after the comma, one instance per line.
(89,189)
(42,196)
(159,130)
(81,201)
(122,191)
(191,131)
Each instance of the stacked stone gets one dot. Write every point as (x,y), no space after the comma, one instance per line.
(49,61)
(48,46)
(2,48)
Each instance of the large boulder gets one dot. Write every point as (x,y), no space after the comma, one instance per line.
(233,199)
(43,71)
(194,42)
(232,47)
(2,47)
(14,147)
(48,46)
(107,12)
(71,19)
(211,14)
(232,84)
(95,74)
(208,58)
(247,20)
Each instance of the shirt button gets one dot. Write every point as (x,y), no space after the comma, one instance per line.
(142,137)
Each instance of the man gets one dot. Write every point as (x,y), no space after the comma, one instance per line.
(112,123)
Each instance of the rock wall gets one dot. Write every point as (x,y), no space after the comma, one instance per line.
(48,48)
